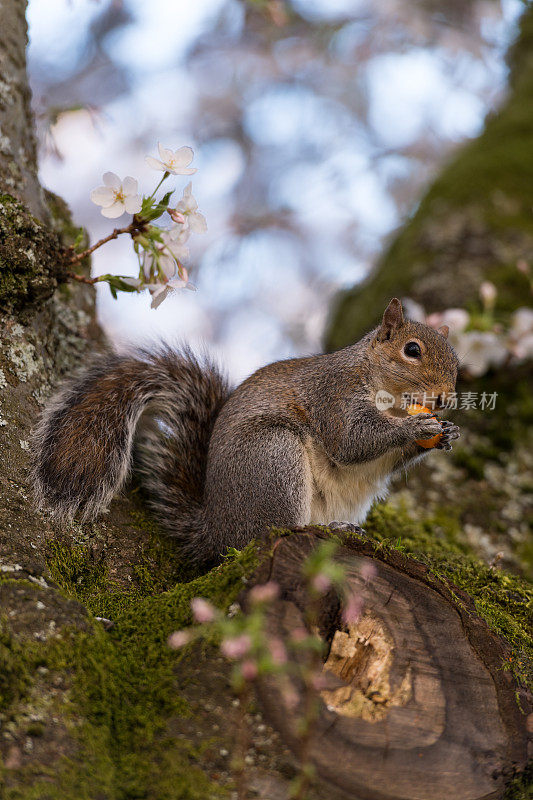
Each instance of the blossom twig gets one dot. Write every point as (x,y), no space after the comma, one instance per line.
(160,251)
(134,226)
(82,279)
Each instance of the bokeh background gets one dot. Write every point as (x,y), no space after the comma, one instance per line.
(316,125)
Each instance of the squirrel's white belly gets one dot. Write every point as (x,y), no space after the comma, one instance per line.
(346,493)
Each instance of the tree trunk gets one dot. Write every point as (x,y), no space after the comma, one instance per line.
(18,154)
(420,706)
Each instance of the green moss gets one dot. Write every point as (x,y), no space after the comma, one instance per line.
(521,786)
(14,672)
(504,601)
(83,574)
(125,685)
(30,257)
(77,570)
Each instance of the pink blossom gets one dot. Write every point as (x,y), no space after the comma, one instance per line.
(352,610)
(319,682)
(178,639)
(321,583)
(264,593)
(202,610)
(249,670)
(290,696)
(236,646)
(299,634)
(367,571)
(277,651)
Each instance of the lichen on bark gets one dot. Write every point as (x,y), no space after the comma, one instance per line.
(31,258)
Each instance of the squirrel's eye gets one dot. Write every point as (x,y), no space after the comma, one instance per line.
(412,350)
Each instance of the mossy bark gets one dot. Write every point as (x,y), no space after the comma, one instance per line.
(475,223)
(18,152)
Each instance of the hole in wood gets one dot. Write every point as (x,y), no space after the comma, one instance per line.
(416,704)
(362,657)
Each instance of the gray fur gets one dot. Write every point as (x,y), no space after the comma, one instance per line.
(221,467)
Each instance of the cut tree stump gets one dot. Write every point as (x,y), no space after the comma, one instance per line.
(419,707)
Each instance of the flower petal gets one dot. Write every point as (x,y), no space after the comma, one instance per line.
(183,156)
(155,163)
(114,211)
(133,203)
(177,234)
(167,265)
(148,262)
(164,153)
(112,180)
(103,196)
(182,170)
(129,185)
(158,297)
(176,283)
(197,223)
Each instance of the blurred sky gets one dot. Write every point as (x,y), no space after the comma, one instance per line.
(314,137)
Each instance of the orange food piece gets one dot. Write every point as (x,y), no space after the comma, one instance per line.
(415,408)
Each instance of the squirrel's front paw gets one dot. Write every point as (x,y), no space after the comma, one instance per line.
(450,431)
(422,426)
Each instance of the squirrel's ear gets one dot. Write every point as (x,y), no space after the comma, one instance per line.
(444,331)
(392,320)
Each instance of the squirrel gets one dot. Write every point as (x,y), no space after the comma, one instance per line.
(300,441)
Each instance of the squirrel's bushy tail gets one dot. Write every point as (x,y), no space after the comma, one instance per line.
(83,445)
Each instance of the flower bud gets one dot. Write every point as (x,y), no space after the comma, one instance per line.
(321,583)
(249,670)
(176,216)
(236,646)
(264,593)
(178,639)
(488,294)
(202,610)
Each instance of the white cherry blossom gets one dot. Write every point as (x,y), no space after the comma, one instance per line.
(455,318)
(117,197)
(169,255)
(165,259)
(521,334)
(174,161)
(160,291)
(522,322)
(174,241)
(479,350)
(189,208)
